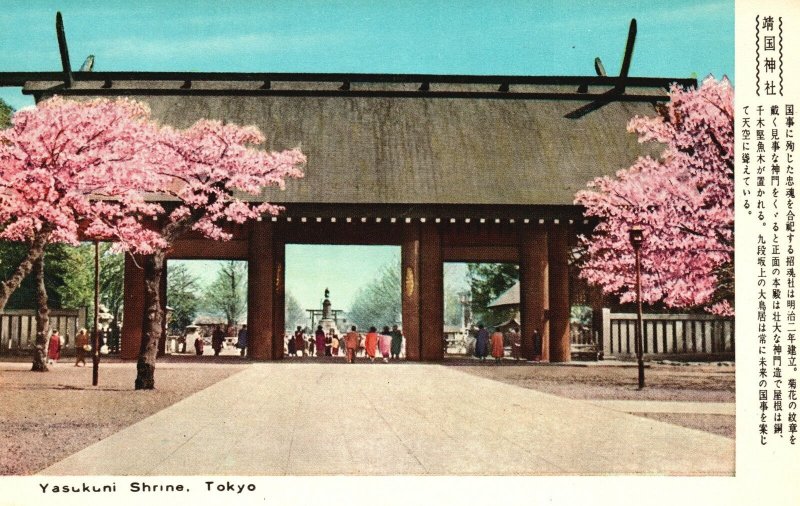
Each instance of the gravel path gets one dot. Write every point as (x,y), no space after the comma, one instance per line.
(47,416)
(663,382)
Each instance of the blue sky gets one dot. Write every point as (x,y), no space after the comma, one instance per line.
(676,38)
(679,38)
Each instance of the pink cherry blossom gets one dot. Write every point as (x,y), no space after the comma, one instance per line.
(683,201)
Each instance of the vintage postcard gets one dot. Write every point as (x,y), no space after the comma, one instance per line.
(344,252)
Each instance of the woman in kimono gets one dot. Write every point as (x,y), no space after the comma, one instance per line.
(482,342)
(371,343)
(397,341)
(81,347)
(319,336)
(497,345)
(385,343)
(54,347)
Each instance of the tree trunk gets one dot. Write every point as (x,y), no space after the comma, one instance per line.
(35,252)
(152,324)
(42,318)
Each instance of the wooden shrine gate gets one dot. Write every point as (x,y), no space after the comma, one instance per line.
(540,249)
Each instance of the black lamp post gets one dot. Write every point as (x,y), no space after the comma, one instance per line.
(637,238)
(96,338)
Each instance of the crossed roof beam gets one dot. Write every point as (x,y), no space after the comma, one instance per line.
(116,83)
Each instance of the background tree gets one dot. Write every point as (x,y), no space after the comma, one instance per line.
(227,294)
(65,165)
(6,111)
(294,314)
(112,289)
(378,303)
(683,201)
(204,171)
(183,296)
(487,282)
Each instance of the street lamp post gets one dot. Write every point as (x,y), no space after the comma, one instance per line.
(637,238)
(96,338)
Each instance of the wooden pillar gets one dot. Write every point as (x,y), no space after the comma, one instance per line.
(279,291)
(431,294)
(410,286)
(534,290)
(558,253)
(260,292)
(131,338)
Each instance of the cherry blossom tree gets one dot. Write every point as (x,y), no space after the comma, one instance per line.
(206,171)
(69,171)
(683,201)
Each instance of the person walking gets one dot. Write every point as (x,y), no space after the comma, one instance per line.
(351,340)
(371,343)
(328,343)
(199,344)
(397,341)
(334,343)
(319,337)
(385,343)
(516,343)
(241,342)
(482,342)
(300,341)
(81,347)
(54,347)
(217,338)
(497,345)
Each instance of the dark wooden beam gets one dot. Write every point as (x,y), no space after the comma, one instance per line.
(534,291)
(278,291)
(502,254)
(260,292)
(626,59)
(410,286)
(62,48)
(134,307)
(431,293)
(559,309)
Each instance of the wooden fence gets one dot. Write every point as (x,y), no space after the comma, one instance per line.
(18,327)
(668,334)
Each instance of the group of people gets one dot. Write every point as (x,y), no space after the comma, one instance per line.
(321,344)
(56,343)
(486,343)
(218,341)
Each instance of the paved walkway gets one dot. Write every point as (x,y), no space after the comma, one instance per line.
(412,419)
(694,408)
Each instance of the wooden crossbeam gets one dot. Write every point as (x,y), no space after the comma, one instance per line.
(62,48)
(616,93)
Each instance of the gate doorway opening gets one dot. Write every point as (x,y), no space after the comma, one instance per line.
(479,293)
(204,297)
(335,287)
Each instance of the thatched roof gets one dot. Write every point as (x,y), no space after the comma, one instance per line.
(433,150)
(508,298)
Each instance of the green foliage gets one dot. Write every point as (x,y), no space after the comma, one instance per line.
(77,289)
(581,315)
(227,295)
(6,111)
(182,296)
(378,303)
(452,308)
(294,314)
(487,282)
(56,270)
(112,279)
